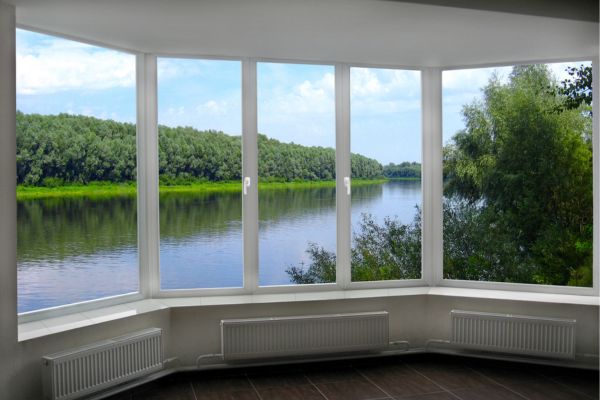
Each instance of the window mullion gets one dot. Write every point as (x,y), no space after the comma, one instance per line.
(432,222)
(343,170)
(250,170)
(147,161)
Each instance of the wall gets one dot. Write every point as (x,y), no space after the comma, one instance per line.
(193,331)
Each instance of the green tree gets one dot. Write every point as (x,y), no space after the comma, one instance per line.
(528,169)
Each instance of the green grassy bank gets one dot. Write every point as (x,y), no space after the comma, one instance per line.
(105,190)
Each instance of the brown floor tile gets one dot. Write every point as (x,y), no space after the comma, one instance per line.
(509,375)
(332,375)
(494,392)
(351,390)
(304,392)
(583,384)
(165,390)
(545,390)
(220,384)
(408,384)
(278,380)
(430,396)
(229,395)
(452,377)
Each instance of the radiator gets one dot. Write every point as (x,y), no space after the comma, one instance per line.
(77,372)
(518,334)
(255,338)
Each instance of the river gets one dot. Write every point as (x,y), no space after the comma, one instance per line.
(73,249)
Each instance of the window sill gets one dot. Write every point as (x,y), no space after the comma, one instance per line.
(49,326)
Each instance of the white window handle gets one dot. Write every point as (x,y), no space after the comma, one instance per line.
(246,185)
(347,184)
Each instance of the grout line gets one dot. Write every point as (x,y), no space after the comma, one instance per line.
(569,387)
(434,382)
(497,383)
(193,391)
(315,386)
(253,387)
(373,383)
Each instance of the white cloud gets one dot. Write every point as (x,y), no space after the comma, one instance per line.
(56,65)
(559,70)
(214,107)
(384,91)
(308,97)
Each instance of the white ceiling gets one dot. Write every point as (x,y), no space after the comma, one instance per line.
(355,31)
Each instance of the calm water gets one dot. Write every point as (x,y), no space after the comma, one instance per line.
(72,250)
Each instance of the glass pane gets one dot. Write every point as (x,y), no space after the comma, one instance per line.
(518,201)
(200,156)
(76,172)
(296,169)
(386,174)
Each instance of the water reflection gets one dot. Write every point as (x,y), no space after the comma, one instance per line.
(72,250)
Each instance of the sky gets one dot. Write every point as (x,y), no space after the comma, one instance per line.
(296,102)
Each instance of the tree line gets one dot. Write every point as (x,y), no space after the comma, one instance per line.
(54,150)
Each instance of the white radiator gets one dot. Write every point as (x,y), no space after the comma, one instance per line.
(301,335)
(518,334)
(74,373)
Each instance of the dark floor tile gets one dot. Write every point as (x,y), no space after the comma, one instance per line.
(278,380)
(351,390)
(220,384)
(494,392)
(505,375)
(304,392)
(430,396)
(585,384)
(452,377)
(121,396)
(378,371)
(332,375)
(405,384)
(546,390)
(165,390)
(229,395)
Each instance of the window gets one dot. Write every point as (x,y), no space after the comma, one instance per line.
(386,174)
(76,172)
(296,169)
(200,161)
(518,199)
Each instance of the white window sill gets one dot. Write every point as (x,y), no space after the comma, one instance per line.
(49,326)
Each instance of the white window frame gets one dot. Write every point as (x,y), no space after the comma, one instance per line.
(525,287)
(431,181)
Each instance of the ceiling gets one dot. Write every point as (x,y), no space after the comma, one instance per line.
(379,32)
(581,10)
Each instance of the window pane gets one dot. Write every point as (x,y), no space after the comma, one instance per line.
(199,115)
(518,202)
(76,172)
(386,174)
(296,169)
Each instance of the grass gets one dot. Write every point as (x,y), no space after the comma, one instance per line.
(99,190)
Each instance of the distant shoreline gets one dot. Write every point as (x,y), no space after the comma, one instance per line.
(101,190)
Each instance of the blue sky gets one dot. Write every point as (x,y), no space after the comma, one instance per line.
(295,101)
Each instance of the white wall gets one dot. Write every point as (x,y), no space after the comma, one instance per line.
(8,205)
(192,331)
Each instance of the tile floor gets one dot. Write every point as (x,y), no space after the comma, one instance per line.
(408,377)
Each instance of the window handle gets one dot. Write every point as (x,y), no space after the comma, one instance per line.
(347,185)
(246,185)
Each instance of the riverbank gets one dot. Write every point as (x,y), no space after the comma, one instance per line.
(108,190)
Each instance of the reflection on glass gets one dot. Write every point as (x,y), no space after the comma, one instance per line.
(518,174)
(200,172)
(386,158)
(76,172)
(296,168)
